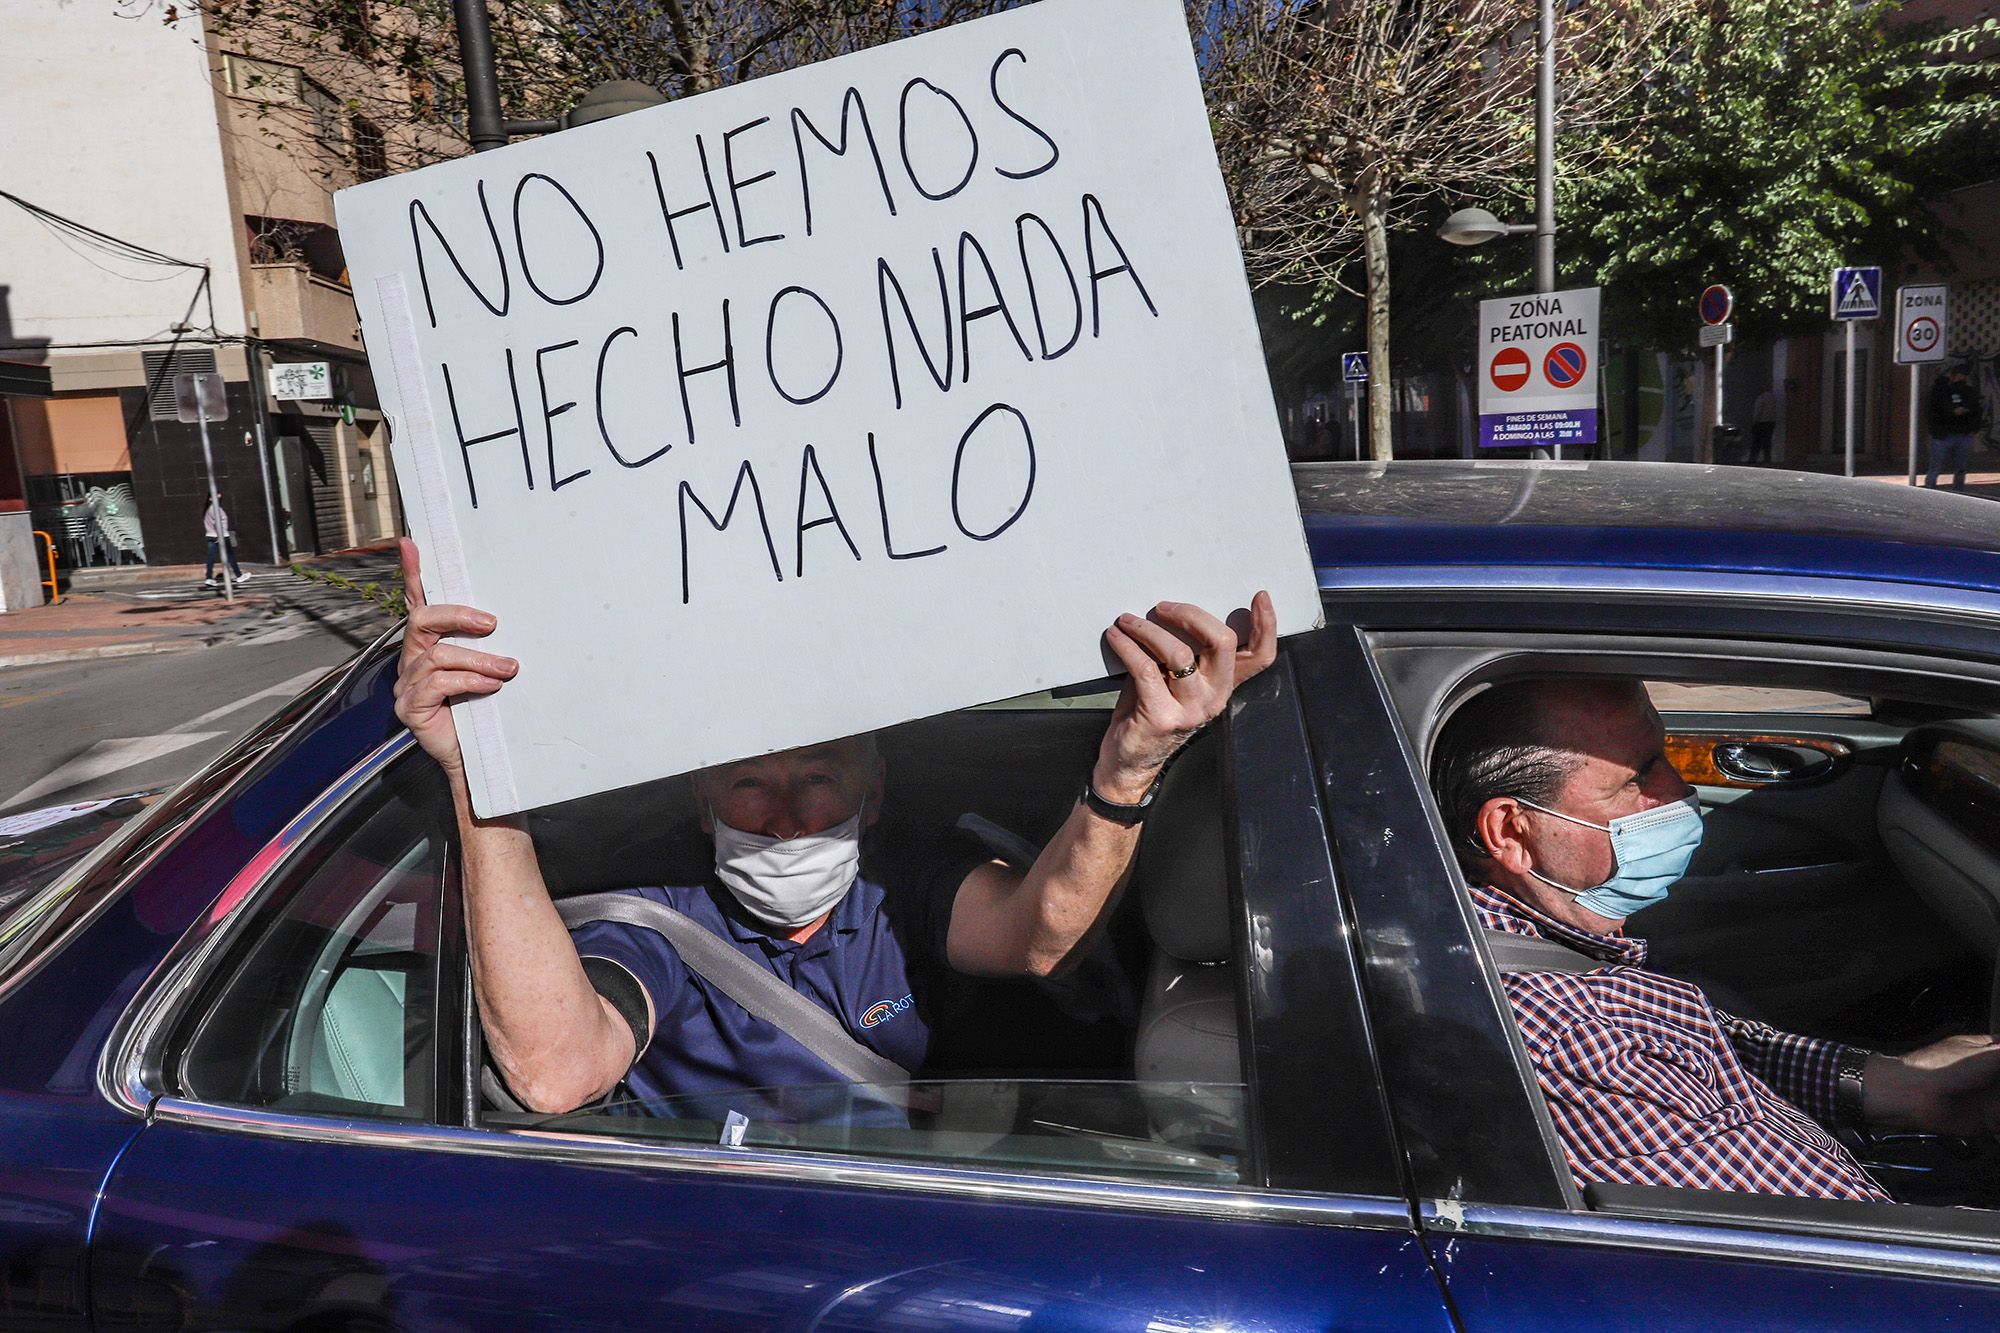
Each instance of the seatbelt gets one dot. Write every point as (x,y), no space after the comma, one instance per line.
(713,958)
(1526,953)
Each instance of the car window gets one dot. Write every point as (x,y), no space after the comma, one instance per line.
(1841,891)
(1127,1066)
(328,1001)
(1113,1126)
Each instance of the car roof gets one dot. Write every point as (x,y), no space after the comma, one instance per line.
(1659,516)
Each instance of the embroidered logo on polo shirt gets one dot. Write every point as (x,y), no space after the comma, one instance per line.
(883,1010)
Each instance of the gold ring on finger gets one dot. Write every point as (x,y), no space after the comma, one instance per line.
(1184,672)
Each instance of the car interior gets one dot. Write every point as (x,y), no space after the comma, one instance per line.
(1127,1066)
(1848,886)
(1848,882)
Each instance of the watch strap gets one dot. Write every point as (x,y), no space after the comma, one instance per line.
(1117,811)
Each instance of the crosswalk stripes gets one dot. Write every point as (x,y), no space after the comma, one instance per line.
(106,757)
(259,581)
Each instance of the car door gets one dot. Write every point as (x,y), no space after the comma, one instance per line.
(314,1157)
(1517,1245)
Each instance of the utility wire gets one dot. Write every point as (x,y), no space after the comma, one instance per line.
(104,242)
(66,230)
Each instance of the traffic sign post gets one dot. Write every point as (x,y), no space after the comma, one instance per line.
(1854,294)
(200,399)
(1717,304)
(1920,326)
(1354,373)
(1538,370)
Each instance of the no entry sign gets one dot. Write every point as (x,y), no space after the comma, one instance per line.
(1510,369)
(1540,383)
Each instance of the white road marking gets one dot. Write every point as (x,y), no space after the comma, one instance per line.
(107,757)
(286,688)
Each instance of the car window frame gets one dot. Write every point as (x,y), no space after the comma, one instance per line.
(297,867)
(131,1076)
(1655,630)
(1291,1068)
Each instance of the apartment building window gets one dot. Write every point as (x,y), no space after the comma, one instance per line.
(371,150)
(284,85)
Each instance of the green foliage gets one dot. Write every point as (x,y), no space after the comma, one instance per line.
(1782,138)
(389,598)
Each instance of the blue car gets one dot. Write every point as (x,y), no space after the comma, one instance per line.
(242,1084)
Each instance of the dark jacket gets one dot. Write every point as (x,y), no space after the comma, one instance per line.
(1954,407)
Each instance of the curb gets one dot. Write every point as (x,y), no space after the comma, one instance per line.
(86,654)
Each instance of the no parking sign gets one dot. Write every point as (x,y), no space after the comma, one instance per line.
(1538,360)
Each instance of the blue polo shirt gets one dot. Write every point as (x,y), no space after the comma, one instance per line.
(877,965)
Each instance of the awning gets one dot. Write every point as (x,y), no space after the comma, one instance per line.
(21,380)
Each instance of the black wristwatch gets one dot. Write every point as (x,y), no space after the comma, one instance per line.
(1117,813)
(1847,1086)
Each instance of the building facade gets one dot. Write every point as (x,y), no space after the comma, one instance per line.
(173,214)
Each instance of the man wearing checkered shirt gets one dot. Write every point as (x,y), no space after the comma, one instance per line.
(1567,816)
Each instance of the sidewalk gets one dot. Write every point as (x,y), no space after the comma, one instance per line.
(1985,485)
(125,611)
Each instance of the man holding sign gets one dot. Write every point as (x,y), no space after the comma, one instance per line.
(567,1019)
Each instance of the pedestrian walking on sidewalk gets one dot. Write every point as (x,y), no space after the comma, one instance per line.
(221,543)
(1955,410)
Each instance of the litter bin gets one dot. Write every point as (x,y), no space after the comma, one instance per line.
(1729,444)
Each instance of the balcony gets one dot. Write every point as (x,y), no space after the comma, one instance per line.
(295,304)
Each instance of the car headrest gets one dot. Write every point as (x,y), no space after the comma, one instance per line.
(1182,873)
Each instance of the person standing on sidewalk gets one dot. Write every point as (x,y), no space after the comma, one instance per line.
(1763,425)
(1954,416)
(221,543)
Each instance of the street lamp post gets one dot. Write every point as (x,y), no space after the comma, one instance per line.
(1545,147)
(485,124)
(488,127)
(1476,226)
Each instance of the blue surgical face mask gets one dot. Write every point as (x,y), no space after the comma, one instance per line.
(1652,849)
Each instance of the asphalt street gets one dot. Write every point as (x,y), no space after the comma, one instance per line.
(80,729)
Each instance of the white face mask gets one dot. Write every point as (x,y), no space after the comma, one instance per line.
(787,882)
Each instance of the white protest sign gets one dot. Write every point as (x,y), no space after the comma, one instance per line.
(821,402)
(1538,369)
(1920,324)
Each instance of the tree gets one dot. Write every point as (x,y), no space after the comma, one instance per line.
(1781,140)
(396,62)
(1337,122)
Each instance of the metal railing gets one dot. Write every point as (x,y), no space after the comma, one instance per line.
(49,544)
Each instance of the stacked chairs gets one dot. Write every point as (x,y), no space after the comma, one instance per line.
(79,533)
(117,516)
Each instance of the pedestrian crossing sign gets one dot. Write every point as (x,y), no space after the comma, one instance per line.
(1855,293)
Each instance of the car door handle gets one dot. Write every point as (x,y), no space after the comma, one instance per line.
(1773,764)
